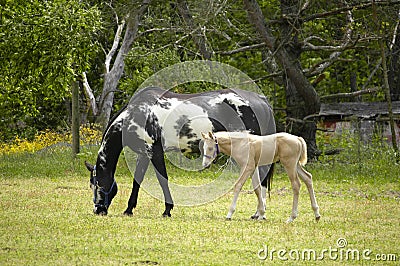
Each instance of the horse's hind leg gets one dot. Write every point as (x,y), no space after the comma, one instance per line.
(307,178)
(142,163)
(161,173)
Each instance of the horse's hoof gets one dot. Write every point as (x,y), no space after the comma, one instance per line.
(317,218)
(290,220)
(166,215)
(128,213)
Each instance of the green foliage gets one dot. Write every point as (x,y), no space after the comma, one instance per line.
(46,139)
(141,64)
(361,158)
(45,45)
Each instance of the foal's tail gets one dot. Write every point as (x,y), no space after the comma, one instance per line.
(268,179)
(303,155)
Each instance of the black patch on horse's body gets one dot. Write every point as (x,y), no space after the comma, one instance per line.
(183,128)
(251,120)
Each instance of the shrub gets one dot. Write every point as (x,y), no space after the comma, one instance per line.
(49,138)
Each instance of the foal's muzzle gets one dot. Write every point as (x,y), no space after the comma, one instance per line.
(205,167)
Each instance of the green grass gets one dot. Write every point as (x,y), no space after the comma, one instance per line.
(46,217)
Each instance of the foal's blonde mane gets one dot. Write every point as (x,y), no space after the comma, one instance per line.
(223,135)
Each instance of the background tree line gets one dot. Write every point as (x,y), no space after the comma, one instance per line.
(297,51)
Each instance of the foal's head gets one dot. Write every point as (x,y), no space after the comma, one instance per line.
(104,189)
(210,148)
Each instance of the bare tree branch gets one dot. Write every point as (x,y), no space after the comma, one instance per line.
(242,49)
(378,64)
(354,6)
(89,94)
(114,47)
(395,31)
(304,6)
(198,37)
(350,94)
(172,29)
(347,43)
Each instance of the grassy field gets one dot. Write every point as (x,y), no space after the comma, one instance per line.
(46,218)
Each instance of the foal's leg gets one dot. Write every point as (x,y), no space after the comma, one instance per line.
(248,170)
(307,178)
(290,168)
(260,212)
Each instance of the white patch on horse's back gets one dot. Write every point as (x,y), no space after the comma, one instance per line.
(169,111)
(232,98)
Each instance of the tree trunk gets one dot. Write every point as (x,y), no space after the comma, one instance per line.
(386,86)
(301,97)
(112,77)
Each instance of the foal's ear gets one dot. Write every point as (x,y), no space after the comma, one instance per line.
(210,134)
(89,166)
(204,135)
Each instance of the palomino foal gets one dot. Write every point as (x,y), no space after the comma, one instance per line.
(250,151)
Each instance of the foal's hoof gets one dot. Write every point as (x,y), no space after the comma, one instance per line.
(228,219)
(254,217)
(317,218)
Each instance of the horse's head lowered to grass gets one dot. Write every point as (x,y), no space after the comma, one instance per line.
(103,191)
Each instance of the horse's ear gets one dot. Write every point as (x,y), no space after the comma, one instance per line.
(89,166)
(210,134)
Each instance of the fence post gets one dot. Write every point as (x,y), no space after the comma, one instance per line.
(75,118)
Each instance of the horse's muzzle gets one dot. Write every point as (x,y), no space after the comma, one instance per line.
(100,209)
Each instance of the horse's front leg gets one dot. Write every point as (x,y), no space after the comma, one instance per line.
(260,212)
(161,173)
(142,163)
(248,170)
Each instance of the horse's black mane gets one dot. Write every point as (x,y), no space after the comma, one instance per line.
(112,120)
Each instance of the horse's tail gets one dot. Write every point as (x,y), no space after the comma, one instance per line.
(267,181)
(303,155)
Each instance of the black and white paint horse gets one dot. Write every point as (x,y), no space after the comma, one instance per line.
(156,121)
